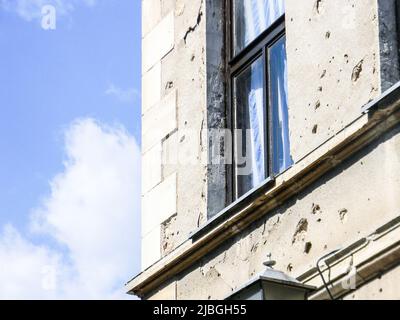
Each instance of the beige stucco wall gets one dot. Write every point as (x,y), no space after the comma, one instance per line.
(384,287)
(333,67)
(174,114)
(352,201)
(333,70)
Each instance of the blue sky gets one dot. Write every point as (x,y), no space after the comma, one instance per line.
(60,91)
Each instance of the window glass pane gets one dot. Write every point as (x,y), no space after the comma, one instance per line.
(281,159)
(251,18)
(250,153)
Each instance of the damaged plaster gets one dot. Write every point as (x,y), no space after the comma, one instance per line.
(291,232)
(338,54)
(333,45)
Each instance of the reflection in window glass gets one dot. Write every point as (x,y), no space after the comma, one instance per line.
(278,102)
(250,152)
(252,17)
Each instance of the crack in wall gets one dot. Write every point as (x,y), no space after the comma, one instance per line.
(198,20)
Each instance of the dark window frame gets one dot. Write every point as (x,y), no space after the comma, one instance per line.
(234,65)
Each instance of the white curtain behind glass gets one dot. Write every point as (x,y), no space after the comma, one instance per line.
(283,118)
(278,97)
(259,15)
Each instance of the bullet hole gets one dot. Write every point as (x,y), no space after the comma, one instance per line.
(343,214)
(320,88)
(291,19)
(199,219)
(307,247)
(315,208)
(167,235)
(319,220)
(183,138)
(357,71)
(301,229)
(323,74)
(318,6)
(192,58)
(169,85)
(289,268)
(315,129)
(254,247)
(327,35)
(381,290)
(317,105)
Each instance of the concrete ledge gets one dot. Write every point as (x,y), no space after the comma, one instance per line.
(369,257)
(309,169)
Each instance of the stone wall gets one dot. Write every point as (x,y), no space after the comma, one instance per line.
(174,115)
(333,67)
(381,288)
(335,53)
(352,201)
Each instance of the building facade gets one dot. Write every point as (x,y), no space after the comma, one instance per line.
(270,130)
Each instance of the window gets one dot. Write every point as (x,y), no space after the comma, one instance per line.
(257,72)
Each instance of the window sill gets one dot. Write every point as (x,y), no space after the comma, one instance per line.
(234,207)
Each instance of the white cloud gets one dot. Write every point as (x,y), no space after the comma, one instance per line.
(31,9)
(24,267)
(123,95)
(91,213)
